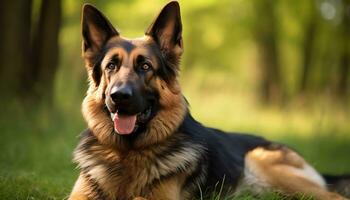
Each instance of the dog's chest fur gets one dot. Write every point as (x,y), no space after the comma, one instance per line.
(135,172)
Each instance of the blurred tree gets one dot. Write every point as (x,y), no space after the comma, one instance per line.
(344,73)
(29,51)
(266,38)
(309,34)
(15,22)
(38,78)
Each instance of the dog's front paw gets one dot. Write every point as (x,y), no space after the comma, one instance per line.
(139,198)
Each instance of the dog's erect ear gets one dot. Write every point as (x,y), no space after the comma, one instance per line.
(96,29)
(166,30)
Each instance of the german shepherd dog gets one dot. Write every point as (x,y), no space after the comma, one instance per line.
(142,142)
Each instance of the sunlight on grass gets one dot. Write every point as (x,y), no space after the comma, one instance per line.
(216,101)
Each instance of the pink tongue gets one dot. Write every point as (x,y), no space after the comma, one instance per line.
(124,125)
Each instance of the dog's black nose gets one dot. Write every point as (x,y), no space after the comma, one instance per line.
(122,93)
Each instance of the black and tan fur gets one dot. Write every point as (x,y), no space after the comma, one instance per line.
(173,156)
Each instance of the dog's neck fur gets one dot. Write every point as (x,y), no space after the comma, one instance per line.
(109,169)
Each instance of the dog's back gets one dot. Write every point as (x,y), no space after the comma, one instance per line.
(224,152)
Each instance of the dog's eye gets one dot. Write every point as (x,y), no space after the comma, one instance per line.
(145,67)
(111,66)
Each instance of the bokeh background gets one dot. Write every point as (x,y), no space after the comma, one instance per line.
(280,69)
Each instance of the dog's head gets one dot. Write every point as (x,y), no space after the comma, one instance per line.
(134,92)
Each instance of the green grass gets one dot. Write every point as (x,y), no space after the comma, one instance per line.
(36,149)
(36,146)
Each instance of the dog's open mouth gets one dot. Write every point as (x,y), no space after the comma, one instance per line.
(127,124)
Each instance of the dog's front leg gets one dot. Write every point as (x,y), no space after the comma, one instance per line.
(169,189)
(80,190)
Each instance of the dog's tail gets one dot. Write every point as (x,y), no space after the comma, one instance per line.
(339,184)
